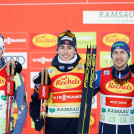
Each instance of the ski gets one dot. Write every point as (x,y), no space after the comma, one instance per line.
(87,92)
(90,93)
(84,92)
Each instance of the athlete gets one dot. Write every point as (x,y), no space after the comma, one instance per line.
(66,82)
(115,85)
(19,96)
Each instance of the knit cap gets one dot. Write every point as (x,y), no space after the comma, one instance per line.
(67,38)
(120,45)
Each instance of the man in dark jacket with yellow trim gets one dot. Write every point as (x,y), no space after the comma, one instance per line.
(66,82)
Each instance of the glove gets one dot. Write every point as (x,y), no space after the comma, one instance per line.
(18,68)
(131,68)
(38,124)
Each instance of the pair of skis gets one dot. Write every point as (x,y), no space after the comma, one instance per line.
(9,92)
(43,95)
(87,92)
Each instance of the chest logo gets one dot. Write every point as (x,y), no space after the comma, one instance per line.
(119,88)
(2,81)
(67,82)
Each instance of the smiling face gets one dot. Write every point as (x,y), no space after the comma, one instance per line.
(120,59)
(66,52)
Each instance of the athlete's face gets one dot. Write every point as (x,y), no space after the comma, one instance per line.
(66,52)
(1,53)
(120,59)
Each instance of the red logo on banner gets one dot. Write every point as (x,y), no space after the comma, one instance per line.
(15,40)
(93,120)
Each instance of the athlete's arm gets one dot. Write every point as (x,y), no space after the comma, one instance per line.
(20,97)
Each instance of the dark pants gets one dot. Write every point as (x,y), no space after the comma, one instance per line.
(115,129)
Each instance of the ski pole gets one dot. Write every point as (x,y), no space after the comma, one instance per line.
(43,95)
(8,78)
(9,92)
(41,100)
(10,100)
(46,80)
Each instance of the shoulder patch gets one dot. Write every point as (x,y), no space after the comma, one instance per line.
(51,71)
(132,74)
(80,67)
(107,72)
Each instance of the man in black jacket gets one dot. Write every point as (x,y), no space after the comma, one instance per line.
(66,82)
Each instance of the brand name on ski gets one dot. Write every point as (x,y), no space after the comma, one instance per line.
(118,88)
(87,71)
(92,71)
(45,40)
(68,81)
(2,81)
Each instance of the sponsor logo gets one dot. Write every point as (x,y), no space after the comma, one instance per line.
(118,111)
(44,40)
(2,81)
(10,40)
(103,110)
(118,88)
(92,120)
(67,82)
(118,102)
(109,39)
(132,111)
(39,59)
(108,17)
(3,97)
(85,38)
(21,57)
(15,40)
(52,110)
(42,60)
(68,97)
(72,109)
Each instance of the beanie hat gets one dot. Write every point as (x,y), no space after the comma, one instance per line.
(2,43)
(120,45)
(67,38)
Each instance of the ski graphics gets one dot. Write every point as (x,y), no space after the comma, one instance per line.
(87,93)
